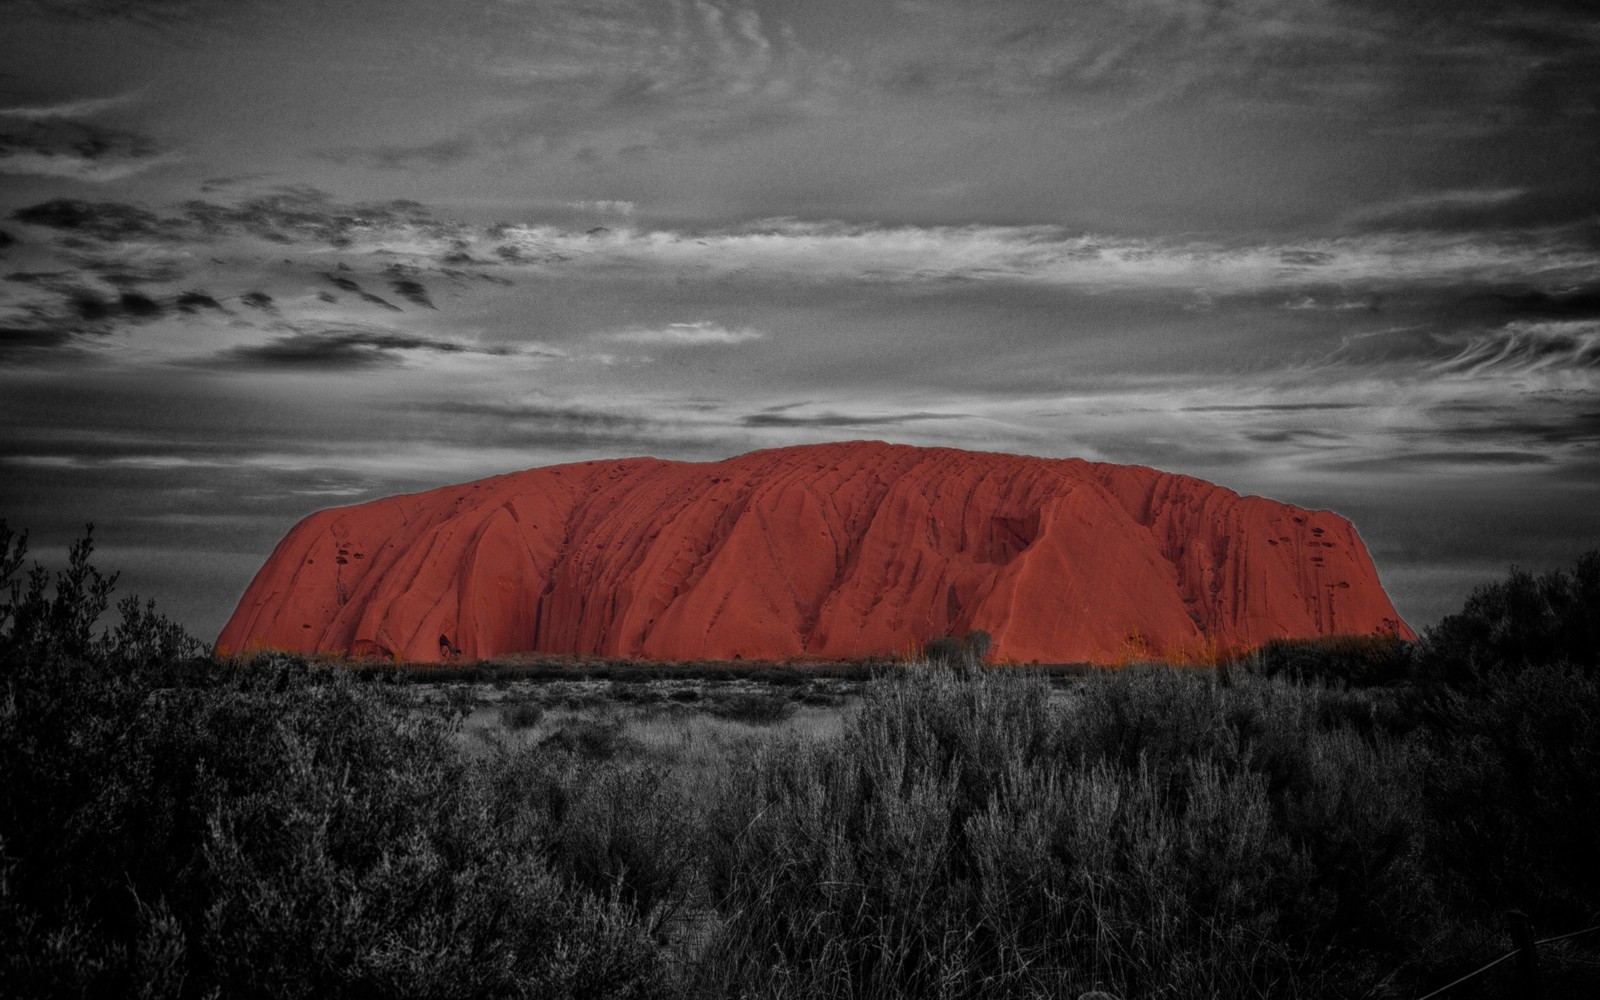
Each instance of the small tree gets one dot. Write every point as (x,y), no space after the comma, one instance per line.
(63,624)
(948,651)
(978,643)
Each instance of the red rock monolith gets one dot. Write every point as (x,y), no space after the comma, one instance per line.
(830,551)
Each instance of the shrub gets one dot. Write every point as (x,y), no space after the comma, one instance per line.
(1357,660)
(36,624)
(969,837)
(619,830)
(522,715)
(266,830)
(597,739)
(757,709)
(1510,782)
(948,651)
(1524,619)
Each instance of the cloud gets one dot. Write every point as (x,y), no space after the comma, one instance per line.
(391,156)
(619,80)
(1437,208)
(86,161)
(546,413)
(291,214)
(52,140)
(688,335)
(412,291)
(1408,68)
(1543,272)
(1569,303)
(604,207)
(783,418)
(1272,408)
(103,220)
(817,252)
(344,348)
(350,285)
(18,340)
(652,53)
(221,183)
(194,301)
(84,107)
(563,426)
(1555,350)
(146,13)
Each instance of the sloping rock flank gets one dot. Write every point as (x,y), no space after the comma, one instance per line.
(827,551)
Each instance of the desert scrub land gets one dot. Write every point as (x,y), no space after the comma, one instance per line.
(1352,818)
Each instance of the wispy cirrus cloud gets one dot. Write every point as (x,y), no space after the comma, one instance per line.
(824,251)
(620,79)
(1413,66)
(408,233)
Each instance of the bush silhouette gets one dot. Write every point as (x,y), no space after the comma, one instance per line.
(1523,619)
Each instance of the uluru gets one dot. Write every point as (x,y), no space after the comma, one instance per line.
(816,551)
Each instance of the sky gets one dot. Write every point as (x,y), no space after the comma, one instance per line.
(262,257)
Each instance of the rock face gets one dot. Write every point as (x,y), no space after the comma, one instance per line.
(831,550)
